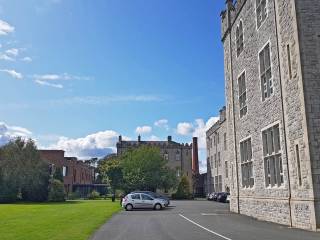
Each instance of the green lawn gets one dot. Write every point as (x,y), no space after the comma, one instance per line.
(72,220)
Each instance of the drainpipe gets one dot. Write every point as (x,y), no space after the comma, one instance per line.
(283,117)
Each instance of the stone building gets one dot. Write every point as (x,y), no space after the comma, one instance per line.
(179,155)
(217,156)
(272,74)
(75,173)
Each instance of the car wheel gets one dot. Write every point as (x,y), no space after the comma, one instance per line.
(158,207)
(129,207)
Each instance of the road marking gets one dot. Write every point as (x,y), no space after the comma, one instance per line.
(217,234)
(213,214)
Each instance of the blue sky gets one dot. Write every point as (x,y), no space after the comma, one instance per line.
(76,73)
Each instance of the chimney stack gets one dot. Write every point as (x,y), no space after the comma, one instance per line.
(169,138)
(120,139)
(139,138)
(195,157)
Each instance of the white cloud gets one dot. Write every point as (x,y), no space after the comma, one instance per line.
(201,128)
(6,57)
(12,73)
(13,52)
(103,100)
(46,79)
(153,138)
(8,133)
(44,83)
(26,59)
(162,123)
(143,130)
(94,145)
(5,28)
(185,128)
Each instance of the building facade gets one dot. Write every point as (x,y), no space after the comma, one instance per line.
(179,155)
(75,173)
(217,156)
(272,75)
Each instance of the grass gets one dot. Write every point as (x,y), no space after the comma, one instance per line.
(72,220)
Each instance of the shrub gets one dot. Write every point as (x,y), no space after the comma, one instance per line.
(74,195)
(93,195)
(8,192)
(56,191)
(183,191)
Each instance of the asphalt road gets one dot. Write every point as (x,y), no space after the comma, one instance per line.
(194,220)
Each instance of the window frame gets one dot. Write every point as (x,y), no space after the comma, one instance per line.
(239,38)
(247,163)
(256,12)
(263,98)
(243,73)
(271,181)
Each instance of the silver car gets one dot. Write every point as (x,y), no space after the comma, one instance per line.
(142,200)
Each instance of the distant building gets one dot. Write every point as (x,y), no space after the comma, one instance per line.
(217,156)
(272,74)
(75,173)
(183,158)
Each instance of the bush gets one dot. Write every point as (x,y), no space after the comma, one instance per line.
(93,195)
(56,191)
(183,191)
(74,195)
(8,192)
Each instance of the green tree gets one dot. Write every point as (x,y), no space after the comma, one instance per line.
(145,168)
(56,191)
(169,179)
(110,172)
(23,172)
(58,174)
(183,191)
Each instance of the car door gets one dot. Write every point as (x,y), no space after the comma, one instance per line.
(147,201)
(136,200)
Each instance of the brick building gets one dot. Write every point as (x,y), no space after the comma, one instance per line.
(272,74)
(181,157)
(75,173)
(217,159)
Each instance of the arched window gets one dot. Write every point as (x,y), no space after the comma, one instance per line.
(178,155)
(239,38)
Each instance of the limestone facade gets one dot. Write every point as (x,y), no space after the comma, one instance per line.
(272,83)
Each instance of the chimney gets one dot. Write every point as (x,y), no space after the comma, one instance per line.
(169,138)
(120,139)
(139,138)
(195,157)
(222,114)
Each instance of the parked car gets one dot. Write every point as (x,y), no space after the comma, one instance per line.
(142,200)
(155,195)
(222,197)
(215,196)
(210,196)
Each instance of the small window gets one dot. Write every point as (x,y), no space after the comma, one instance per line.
(219,159)
(218,138)
(226,169)
(166,156)
(239,39)
(135,196)
(261,11)
(265,72)
(215,160)
(289,61)
(246,164)
(146,197)
(65,171)
(242,95)
(298,165)
(178,156)
(225,141)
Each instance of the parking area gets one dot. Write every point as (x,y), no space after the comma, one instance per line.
(194,220)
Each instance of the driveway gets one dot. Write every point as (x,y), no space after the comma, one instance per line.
(194,220)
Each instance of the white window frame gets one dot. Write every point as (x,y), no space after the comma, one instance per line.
(269,186)
(243,45)
(267,14)
(246,92)
(252,161)
(264,99)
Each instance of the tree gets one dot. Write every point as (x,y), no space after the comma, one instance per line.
(56,191)
(145,168)
(169,179)
(23,173)
(183,191)
(110,171)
